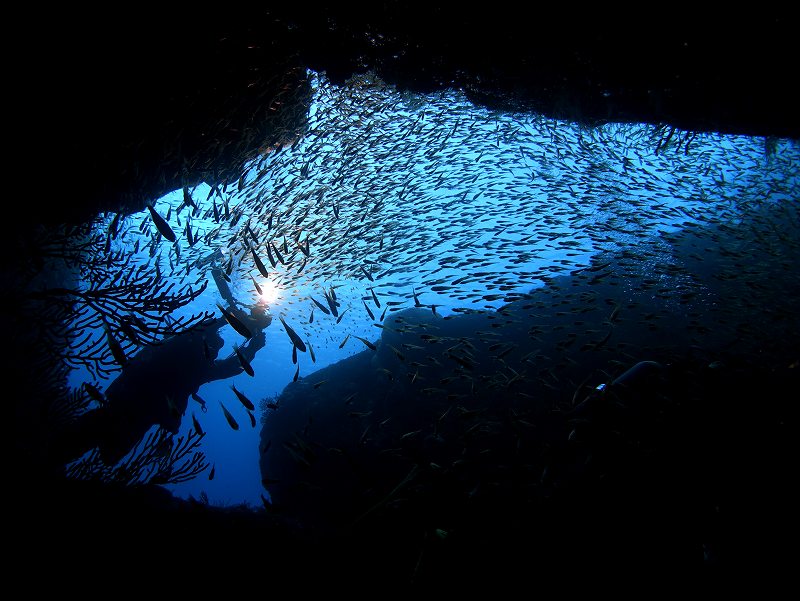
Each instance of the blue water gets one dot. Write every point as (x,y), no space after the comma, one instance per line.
(428,192)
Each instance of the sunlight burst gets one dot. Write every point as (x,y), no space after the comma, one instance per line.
(269,292)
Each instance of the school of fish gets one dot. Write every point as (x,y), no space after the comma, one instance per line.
(393,200)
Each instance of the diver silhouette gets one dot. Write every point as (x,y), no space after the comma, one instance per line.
(155,386)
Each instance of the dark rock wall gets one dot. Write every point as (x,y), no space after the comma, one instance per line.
(125,107)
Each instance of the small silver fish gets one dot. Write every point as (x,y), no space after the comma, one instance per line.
(296,340)
(243,399)
(162,225)
(229,417)
(248,369)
